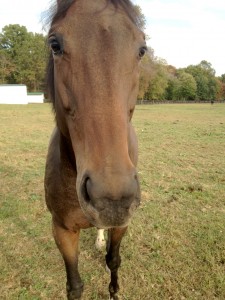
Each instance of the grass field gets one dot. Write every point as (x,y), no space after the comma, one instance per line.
(175,247)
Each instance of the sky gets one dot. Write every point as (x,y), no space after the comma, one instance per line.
(183,32)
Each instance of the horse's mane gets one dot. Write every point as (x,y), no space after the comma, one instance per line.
(58,12)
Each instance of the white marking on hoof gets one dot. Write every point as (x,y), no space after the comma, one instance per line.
(107,269)
(100,240)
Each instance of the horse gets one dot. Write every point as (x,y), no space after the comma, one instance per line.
(92,81)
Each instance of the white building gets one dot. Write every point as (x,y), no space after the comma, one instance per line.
(17,94)
(35,97)
(13,94)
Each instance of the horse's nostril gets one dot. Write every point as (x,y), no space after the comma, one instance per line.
(85,193)
(102,194)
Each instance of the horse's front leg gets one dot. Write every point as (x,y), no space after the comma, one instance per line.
(67,242)
(113,259)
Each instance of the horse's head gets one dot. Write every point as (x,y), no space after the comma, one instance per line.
(96,50)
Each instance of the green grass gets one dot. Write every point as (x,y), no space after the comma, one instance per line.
(175,247)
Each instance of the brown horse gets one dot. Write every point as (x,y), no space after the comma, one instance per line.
(90,178)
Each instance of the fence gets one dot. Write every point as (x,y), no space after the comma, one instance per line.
(139,102)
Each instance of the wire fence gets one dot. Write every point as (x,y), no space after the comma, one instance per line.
(145,102)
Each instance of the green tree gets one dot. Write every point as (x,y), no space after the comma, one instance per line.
(222,78)
(204,75)
(207,67)
(171,87)
(6,67)
(24,56)
(31,61)
(159,82)
(221,90)
(11,40)
(185,87)
(172,82)
(146,72)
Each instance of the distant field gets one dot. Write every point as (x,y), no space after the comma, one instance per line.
(175,247)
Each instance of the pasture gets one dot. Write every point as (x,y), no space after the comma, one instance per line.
(175,246)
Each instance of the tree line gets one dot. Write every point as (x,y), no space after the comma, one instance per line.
(160,81)
(23,57)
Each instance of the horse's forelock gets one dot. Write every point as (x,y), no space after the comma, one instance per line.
(60,8)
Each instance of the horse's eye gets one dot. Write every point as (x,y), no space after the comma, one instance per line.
(55,46)
(142,51)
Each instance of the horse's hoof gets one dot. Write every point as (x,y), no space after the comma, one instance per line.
(73,296)
(115,297)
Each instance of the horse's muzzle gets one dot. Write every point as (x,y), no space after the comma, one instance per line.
(110,201)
